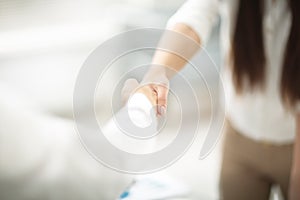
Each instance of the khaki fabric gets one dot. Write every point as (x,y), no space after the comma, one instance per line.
(250,168)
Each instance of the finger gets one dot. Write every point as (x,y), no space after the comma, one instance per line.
(129,86)
(162,98)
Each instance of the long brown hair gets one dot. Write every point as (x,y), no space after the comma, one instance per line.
(249,54)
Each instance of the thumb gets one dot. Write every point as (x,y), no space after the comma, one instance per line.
(129,86)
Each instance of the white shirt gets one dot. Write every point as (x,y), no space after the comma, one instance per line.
(259,115)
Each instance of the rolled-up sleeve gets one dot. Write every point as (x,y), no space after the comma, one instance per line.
(200,15)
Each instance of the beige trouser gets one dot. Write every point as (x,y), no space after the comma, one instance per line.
(250,168)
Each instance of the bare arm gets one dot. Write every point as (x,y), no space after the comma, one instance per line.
(186,45)
(171,60)
(295,174)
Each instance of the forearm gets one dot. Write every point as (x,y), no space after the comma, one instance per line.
(295,174)
(185,46)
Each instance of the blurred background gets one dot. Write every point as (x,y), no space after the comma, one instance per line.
(43,44)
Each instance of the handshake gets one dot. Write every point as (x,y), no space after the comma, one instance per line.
(155,86)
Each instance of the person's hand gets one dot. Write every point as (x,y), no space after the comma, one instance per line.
(158,84)
(156,89)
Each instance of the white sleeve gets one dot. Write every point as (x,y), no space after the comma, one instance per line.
(41,156)
(200,15)
(136,112)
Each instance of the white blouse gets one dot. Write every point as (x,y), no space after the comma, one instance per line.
(259,115)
